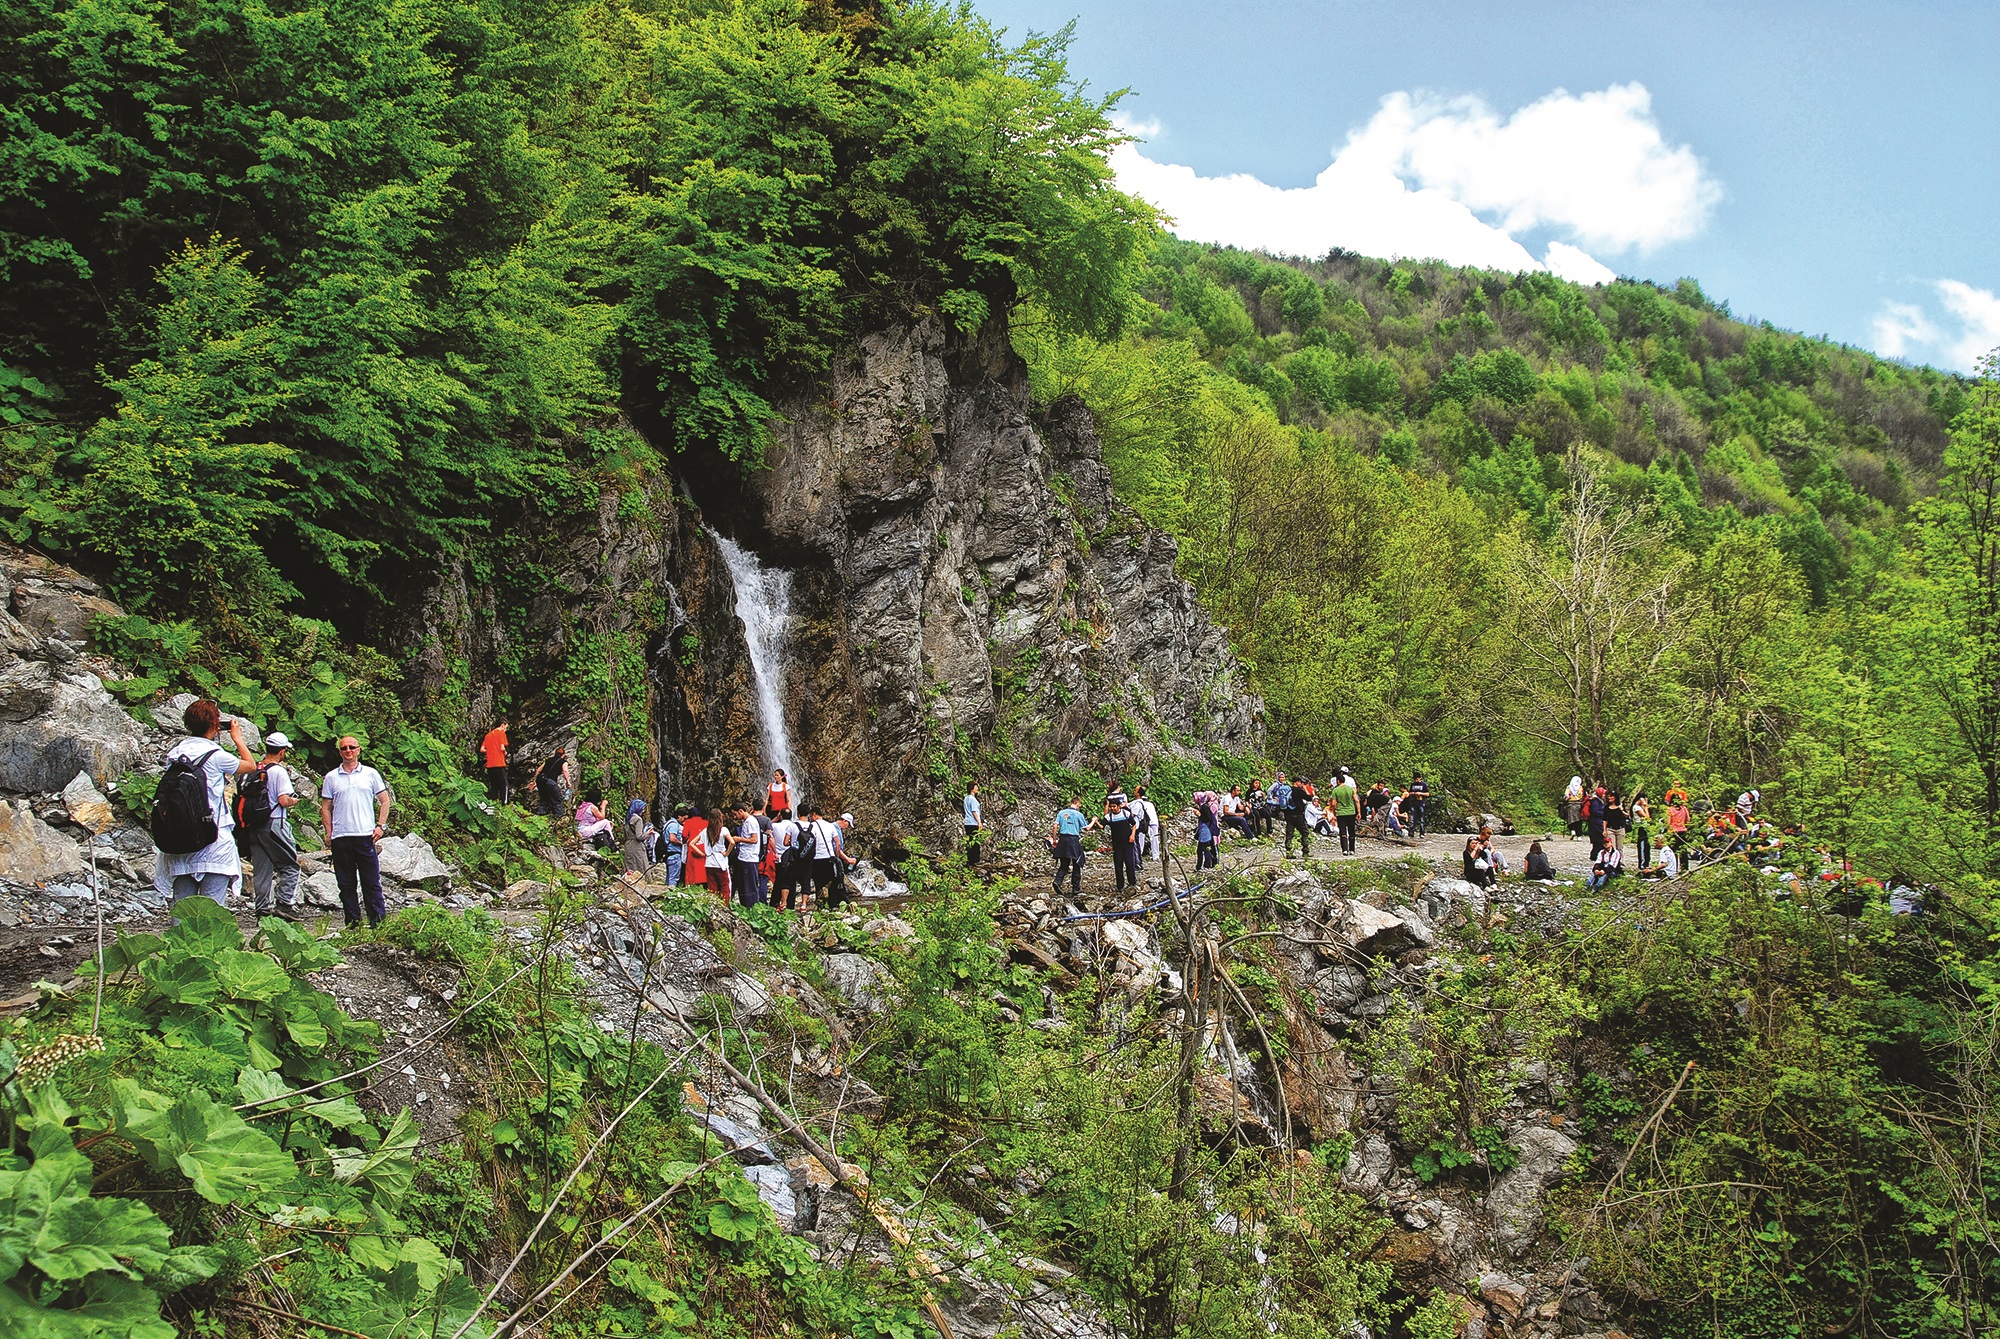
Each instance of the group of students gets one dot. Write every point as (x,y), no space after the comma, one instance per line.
(767,851)
(1387,810)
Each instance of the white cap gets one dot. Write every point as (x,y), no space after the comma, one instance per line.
(847,818)
(276,740)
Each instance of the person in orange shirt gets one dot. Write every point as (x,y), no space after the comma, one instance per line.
(494,746)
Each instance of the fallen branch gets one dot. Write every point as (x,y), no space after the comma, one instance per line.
(1640,1138)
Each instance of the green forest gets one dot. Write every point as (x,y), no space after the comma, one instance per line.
(297,300)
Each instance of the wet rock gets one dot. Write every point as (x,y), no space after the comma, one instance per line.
(32,852)
(858,981)
(409,859)
(774,1186)
(86,805)
(1515,1203)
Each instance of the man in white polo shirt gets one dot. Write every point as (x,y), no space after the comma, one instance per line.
(354,806)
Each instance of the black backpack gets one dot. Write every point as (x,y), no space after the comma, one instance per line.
(253,802)
(181,821)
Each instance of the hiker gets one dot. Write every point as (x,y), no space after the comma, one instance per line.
(975,822)
(551,782)
(694,840)
(192,813)
(1122,824)
(1066,841)
(1475,865)
(1346,811)
(1261,816)
(1594,812)
(767,860)
(1377,800)
(785,880)
(1392,816)
(715,842)
(1297,796)
(1669,866)
(349,796)
(1642,827)
(639,836)
(1609,863)
(1746,806)
(1572,807)
(1235,812)
(674,843)
(778,795)
(745,855)
(1146,840)
(1536,865)
(1207,828)
(830,860)
(1417,803)
(494,749)
(264,826)
(592,825)
(1279,796)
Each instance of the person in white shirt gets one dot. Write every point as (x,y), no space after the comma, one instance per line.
(274,851)
(744,859)
(791,860)
(974,823)
(216,870)
(354,805)
(1148,839)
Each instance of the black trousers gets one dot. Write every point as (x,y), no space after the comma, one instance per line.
(972,846)
(1346,823)
(355,861)
(1295,821)
(1597,842)
(496,784)
(1125,864)
(1419,817)
(1069,859)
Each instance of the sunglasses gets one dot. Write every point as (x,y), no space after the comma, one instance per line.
(350,748)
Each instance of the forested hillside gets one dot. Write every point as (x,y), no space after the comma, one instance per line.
(388,370)
(1507,528)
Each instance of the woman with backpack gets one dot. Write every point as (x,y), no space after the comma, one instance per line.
(192,826)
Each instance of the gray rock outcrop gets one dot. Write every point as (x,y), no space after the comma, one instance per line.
(32,852)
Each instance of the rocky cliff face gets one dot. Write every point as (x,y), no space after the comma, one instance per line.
(968,599)
(971,598)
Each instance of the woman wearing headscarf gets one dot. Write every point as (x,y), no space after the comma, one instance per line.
(639,836)
(1573,807)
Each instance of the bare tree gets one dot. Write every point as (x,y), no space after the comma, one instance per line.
(1591,608)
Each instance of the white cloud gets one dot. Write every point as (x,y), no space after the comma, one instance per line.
(1576,265)
(1416,180)
(1969,330)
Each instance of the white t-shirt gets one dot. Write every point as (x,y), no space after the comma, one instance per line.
(716,843)
(352,795)
(751,849)
(1232,805)
(278,784)
(1670,864)
(220,856)
(784,835)
(826,840)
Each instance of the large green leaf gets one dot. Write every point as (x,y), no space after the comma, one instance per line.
(224,1158)
(389,1170)
(262,1086)
(250,976)
(182,981)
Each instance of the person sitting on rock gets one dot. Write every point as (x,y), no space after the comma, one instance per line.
(592,825)
(1536,865)
(1475,866)
(1494,855)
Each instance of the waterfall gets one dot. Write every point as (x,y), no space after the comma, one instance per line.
(764,606)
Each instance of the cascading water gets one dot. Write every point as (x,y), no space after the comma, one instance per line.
(764,606)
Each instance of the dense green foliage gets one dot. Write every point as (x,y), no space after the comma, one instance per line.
(290,292)
(1506,528)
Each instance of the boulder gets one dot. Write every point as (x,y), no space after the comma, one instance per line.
(1507,1295)
(1372,930)
(409,859)
(79,727)
(1442,893)
(856,980)
(1515,1202)
(31,851)
(321,889)
(1369,1166)
(62,605)
(86,805)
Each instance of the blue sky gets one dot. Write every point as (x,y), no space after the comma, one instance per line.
(1831,168)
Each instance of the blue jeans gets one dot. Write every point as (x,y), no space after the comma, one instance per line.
(202,885)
